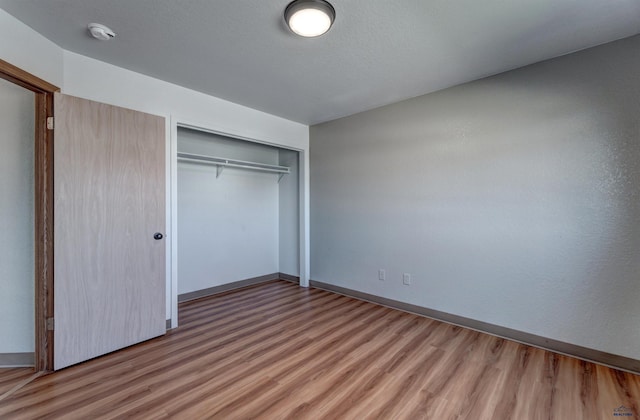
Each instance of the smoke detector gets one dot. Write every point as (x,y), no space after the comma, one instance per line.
(101,32)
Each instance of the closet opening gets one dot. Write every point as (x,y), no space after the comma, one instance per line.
(237,213)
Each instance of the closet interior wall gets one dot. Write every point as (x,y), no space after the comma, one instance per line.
(235,224)
(289,202)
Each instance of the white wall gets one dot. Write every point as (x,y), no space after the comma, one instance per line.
(227,226)
(17,310)
(25,48)
(99,81)
(513,200)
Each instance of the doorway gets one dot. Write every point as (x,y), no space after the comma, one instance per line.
(31,217)
(17,303)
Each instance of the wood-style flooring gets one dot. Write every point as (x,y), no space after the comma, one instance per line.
(278,351)
(13,378)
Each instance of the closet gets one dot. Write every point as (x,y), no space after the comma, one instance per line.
(237,212)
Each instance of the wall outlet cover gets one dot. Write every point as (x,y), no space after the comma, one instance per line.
(406,279)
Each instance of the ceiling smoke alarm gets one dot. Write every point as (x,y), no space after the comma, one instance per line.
(101,32)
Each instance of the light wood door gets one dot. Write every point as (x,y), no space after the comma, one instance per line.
(109,192)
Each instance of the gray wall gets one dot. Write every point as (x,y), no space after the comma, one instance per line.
(513,200)
(289,203)
(17,281)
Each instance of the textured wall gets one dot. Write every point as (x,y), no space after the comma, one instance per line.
(514,200)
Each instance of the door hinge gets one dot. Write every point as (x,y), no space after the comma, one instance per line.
(50,123)
(50,324)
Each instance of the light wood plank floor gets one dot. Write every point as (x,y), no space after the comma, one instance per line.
(277,351)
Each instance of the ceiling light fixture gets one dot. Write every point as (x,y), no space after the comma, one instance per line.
(101,32)
(309,18)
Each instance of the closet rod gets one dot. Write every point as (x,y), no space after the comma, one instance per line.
(233,163)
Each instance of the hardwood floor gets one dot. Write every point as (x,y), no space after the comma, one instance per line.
(277,351)
(12,378)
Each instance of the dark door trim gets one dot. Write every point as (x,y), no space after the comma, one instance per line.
(43,162)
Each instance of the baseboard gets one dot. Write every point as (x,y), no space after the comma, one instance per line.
(289,277)
(11,360)
(584,353)
(225,287)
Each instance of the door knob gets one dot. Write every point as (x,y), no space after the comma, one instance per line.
(157,236)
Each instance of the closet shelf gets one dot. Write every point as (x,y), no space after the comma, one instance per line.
(221,163)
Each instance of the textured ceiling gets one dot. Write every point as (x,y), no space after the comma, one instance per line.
(378,51)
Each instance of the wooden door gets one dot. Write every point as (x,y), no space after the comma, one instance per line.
(109,193)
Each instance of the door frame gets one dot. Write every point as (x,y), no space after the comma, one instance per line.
(43,211)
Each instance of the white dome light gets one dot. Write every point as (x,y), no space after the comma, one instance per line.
(309,18)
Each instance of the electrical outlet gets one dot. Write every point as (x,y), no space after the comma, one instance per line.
(406,279)
(382,275)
